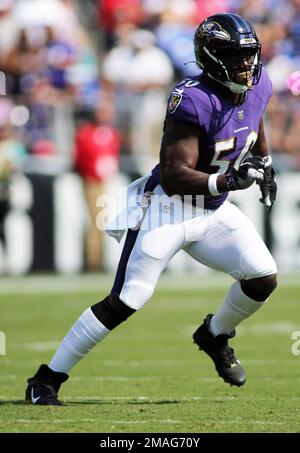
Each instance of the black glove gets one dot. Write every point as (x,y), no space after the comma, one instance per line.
(268,186)
(250,170)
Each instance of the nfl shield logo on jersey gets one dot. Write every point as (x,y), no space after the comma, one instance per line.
(174,101)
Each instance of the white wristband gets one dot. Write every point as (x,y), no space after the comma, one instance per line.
(212,184)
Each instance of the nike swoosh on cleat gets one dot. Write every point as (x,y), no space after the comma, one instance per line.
(33,399)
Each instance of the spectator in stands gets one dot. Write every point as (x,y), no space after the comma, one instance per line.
(140,72)
(9,30)
(96,160)
(113,13)
(12,154)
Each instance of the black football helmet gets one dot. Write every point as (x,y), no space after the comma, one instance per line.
(228,51)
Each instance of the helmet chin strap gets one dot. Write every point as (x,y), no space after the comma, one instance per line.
(234,87)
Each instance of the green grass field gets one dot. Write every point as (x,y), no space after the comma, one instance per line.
(148,376)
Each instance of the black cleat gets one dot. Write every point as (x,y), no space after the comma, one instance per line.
(227,366)
(43,387)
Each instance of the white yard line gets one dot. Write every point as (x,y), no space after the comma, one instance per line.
(57,284)
(139,363)
(133,422)
(117,378)
(280,327)
(142,399)
(263,329)
(39,346)
(140,422)
(49,420)
(102,282)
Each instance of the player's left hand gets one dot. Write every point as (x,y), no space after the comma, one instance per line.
(250,170)
(268,185)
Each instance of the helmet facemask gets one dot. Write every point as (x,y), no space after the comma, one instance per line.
(237,69)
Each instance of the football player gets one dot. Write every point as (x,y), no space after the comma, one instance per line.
(213,143)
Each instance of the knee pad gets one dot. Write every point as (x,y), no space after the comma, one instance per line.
(253,265)
(112,311)
(136,294)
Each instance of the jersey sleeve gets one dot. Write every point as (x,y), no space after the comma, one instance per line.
(181,107)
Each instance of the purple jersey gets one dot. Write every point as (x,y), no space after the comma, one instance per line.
(228,132)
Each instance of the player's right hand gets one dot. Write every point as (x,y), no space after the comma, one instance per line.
(250,170)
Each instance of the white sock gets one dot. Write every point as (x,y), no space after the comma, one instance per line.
(81,338)
(235,308)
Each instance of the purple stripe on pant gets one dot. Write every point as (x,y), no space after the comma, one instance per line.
(128,246)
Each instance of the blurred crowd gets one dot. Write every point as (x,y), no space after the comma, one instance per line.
(84,83)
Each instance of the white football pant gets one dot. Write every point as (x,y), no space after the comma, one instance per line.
(223,239)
